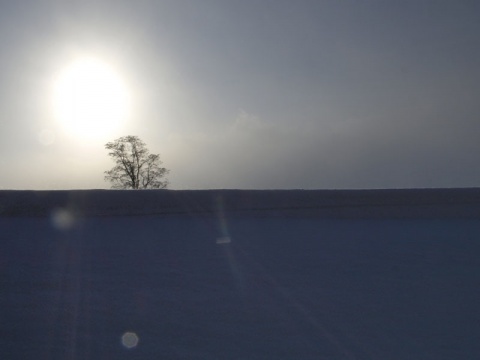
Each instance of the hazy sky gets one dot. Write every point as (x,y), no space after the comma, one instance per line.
(251,94)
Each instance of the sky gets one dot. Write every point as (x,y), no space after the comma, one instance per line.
(249,94)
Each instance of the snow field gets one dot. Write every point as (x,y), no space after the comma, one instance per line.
(207,275)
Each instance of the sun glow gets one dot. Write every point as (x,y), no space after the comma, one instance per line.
(90,100)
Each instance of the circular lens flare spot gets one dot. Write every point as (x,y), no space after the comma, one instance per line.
(130,340)
(62,219)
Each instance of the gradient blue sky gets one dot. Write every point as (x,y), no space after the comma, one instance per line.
(252,94)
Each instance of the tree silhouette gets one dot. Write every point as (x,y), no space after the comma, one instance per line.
(135,167)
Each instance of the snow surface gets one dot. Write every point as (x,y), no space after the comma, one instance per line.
(230,274)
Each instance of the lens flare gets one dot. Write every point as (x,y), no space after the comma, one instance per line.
(62,219)
(130,340)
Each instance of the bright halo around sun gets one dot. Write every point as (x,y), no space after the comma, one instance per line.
(90,100)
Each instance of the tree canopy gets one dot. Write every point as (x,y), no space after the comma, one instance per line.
(135,167)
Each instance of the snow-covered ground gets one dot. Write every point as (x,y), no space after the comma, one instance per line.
(240,274)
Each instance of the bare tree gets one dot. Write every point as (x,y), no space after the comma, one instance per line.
(135,167)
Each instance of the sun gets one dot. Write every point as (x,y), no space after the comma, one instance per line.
(90,99)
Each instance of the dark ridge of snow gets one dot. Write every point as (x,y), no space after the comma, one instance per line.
(400,203)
